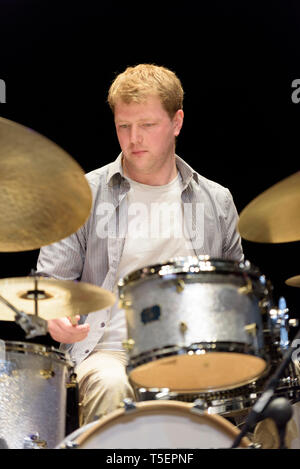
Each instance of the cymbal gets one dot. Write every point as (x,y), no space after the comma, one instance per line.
(273,216)
(44,195)
(293,281)
(57,298)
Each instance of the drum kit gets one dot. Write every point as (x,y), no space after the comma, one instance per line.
(206,341)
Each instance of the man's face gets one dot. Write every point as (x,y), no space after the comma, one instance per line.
(146,135)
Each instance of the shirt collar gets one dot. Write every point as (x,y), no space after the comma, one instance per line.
(186,172)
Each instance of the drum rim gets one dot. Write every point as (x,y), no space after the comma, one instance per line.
(146,407)
(192,265)
(38,349)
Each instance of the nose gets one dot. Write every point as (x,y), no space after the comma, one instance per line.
(135,135)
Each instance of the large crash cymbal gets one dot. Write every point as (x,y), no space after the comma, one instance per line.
(57,298)
(44,194)
(293,281)
(274,216)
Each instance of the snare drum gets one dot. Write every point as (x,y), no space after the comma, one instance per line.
(195,324)
(33,395)
(155,425)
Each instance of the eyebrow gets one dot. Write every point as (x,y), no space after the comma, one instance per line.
(119,121)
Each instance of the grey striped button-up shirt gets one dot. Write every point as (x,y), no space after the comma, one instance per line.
(93,253)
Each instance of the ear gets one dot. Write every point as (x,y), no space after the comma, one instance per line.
(178,121)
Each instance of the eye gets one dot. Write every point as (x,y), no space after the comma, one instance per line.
(148,124)
(123,126)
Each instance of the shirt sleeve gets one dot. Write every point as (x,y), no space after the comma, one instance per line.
(63,260)
(232,244)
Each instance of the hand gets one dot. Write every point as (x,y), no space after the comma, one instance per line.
(63,330)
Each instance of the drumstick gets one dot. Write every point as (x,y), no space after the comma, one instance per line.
(73,319)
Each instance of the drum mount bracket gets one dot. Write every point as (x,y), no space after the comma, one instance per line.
(33,325)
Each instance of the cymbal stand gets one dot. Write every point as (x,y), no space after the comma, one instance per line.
(258,411)
(280,411)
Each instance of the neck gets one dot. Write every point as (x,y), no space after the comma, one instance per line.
(159,177)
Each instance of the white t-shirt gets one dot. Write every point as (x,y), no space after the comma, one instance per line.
(156,233)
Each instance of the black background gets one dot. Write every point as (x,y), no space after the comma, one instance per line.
(236,61)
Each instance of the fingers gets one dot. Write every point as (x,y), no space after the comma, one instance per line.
(62,330)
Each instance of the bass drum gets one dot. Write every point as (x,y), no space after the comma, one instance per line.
(147,425)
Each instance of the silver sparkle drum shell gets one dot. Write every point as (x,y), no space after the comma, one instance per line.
(33,394)
(195,324)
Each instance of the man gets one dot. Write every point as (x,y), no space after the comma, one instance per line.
(199,217)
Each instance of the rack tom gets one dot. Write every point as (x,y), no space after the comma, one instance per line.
(195,324)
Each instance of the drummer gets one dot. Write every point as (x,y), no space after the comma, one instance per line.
(149,206)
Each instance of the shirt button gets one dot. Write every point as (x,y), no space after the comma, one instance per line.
(102,324)
(86,351)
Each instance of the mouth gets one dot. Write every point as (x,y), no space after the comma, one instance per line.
(138,152)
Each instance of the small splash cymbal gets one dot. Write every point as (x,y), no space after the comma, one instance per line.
(56,298)
(273,216)
(44,195)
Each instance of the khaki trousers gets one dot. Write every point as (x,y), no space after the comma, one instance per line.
(102,384)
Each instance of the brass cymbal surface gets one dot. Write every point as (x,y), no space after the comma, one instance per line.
(293,281)
(44,195)
(56,298)
(273,216)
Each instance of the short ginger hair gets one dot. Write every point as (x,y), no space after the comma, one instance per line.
(137,83)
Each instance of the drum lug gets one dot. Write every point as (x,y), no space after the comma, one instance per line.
(47,374)
(180,285)
(125,304)
(128,344)
(251,329)
(246,289)
(200,406)
(183,327)
(73,381)
(34,442)
(128,404)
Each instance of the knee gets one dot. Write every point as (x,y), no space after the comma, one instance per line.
(107,382)
(103,394)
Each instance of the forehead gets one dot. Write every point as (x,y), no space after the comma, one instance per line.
(149,107)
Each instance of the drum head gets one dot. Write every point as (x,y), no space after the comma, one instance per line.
(197,373)
(165,424)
